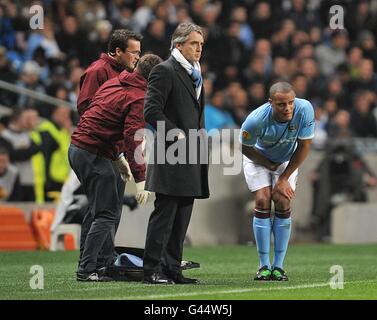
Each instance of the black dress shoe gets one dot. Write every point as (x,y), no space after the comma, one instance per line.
(157,278)
(179,278)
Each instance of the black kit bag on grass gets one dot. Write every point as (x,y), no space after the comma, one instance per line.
(129,264)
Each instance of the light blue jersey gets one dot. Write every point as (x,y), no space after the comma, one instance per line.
(275,140)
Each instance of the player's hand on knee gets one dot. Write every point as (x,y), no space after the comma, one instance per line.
(284,188)
(124,168)
(141,194)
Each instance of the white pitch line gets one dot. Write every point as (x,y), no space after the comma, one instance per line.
(190,294)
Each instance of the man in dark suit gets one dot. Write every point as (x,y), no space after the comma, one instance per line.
(175,102)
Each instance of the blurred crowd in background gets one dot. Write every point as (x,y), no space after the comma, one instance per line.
(249,45)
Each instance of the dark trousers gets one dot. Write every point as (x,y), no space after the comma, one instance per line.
(103,186)
(107,254)
(166,233)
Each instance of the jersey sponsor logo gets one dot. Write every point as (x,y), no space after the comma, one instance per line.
(245,135)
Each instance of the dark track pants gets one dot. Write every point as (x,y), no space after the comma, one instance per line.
(104,188)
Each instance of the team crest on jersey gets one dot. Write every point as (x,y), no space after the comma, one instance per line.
(292,127)
(245,135)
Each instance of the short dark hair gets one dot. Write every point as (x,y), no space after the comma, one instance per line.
(119,39)
(146,64)
(281,86)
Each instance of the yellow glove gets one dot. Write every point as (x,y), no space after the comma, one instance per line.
(141,194)
(124,168)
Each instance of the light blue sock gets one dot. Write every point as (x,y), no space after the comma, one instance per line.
(281,229)
(262,234)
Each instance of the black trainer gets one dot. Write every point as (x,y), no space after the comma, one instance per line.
(101,271)
(92,277)
(87,277)
(278,274)
(263,274)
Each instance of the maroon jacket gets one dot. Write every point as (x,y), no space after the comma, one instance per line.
(110,122)
(95,76)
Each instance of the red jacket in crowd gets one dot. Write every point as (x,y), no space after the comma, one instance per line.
(95,75)
(110,122)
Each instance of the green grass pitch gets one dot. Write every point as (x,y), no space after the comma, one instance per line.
(226,273)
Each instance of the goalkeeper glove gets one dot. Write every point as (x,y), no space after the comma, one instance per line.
(124,168)
(141,194)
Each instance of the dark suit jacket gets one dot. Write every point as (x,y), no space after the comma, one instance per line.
(171,98)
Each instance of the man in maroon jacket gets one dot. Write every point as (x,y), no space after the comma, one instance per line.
(105,131)
(123,54)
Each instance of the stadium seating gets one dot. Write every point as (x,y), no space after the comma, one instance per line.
(41,220)
(15,232)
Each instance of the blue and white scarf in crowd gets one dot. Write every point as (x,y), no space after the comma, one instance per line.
(194,71)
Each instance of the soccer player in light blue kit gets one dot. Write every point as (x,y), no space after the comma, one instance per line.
(276,139)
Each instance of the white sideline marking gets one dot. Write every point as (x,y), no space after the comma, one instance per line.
(189,294)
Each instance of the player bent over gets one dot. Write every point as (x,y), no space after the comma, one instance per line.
(276,139)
